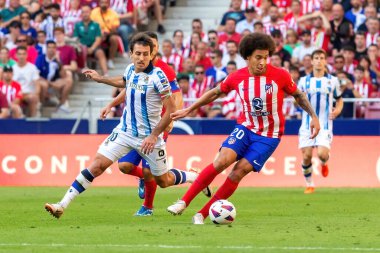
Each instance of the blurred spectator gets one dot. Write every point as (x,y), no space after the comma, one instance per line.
(50,70)
(11,37)
(67,55)
(258,27)
(125,9)
(117,111)
(178,44)
(234,13)
(282,54)
(348,92)
(213,41)
(217,71)
(338,66)
(248,22)
(360,84)
(12,91)
(229,33)
(291,41)
(293,16)
(92,3)
(109,22)
(360,45)
(5,60)
(320,31)
(143,7)
(369,11)
(27,75)
(307,67)
(326,8)
(188,68)
(349,59)
(89,35)
(369,75)
(356,14)
(232,55)
(304,49)
(52,21)
(231,106)
(310,6)
(12,13)
(200,57)
(231,67)
(275,22)
(373,31)
(275,60)
(342,30)
(26,28)
(200,85)
(373,54)
(194,41)
(169,57)
(22,41)
(294,73)
(71,16)
(187,92)
(41,42)
(4,107)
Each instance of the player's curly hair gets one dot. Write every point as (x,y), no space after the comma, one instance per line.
(256,41)
(141,39)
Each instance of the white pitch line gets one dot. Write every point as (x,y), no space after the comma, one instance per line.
(248,247)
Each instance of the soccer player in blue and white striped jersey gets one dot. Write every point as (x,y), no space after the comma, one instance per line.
(321,88)
(141,127)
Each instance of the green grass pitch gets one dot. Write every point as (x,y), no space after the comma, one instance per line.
(268,220)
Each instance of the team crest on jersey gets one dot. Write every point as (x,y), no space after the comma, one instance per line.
(146,79)
(269,88)
(231,140)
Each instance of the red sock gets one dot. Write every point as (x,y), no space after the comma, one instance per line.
(204,179)
(224,192)
(150,192)
(136,171)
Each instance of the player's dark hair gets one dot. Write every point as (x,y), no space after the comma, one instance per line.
(256,41)
(141,39)
(318,52)
(151,35)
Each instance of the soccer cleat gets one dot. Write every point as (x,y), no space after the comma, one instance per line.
(143,211)
(177,208)
(198,219)
(309,190)
(54,209)
(206,191)
(325,170)
(141,190)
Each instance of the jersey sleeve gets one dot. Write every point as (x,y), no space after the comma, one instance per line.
(128,73)
(301,84)
(226,85)
(289,86)
(174,86)
(162,85)
(337,93)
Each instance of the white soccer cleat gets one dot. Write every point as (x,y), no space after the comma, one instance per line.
(198,219)
(177,208)
(54,209)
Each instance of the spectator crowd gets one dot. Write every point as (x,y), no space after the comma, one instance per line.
(44,43)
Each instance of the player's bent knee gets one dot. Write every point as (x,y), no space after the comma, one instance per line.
(125,167)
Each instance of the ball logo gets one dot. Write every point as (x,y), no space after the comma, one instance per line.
(231,140)
(257,104)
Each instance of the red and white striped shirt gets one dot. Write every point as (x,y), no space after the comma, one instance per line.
(201,88)
(309,6)
(364,89)
(174,59)
(12,91)
(350,68)
(70,18)
(280,25)
(371,38)
(319,39)
(246,4)
(122,6)
(262,99)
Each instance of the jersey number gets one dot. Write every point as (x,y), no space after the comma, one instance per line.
(238,133)
(112,137)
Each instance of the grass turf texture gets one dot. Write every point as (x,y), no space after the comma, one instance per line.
(268,220)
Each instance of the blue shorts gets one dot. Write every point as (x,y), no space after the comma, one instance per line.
(134,157)
(256,149)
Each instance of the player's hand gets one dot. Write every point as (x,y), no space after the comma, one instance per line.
(179,114)
(314,127)
(104,112)
(91,74)
(147,146)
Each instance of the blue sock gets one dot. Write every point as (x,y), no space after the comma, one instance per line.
(83,181)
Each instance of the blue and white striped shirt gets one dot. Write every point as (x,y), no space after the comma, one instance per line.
(320,92)
(144,94)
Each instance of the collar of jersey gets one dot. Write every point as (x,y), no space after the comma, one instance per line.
(325,75)
(149,68)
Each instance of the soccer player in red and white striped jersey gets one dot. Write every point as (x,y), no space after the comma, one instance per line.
(261,88)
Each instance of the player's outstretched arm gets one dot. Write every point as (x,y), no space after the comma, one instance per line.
(148,144)
(116,101)
(116,81)
(301,99)
(205,99)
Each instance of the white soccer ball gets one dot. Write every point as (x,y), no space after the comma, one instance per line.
(222,212)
